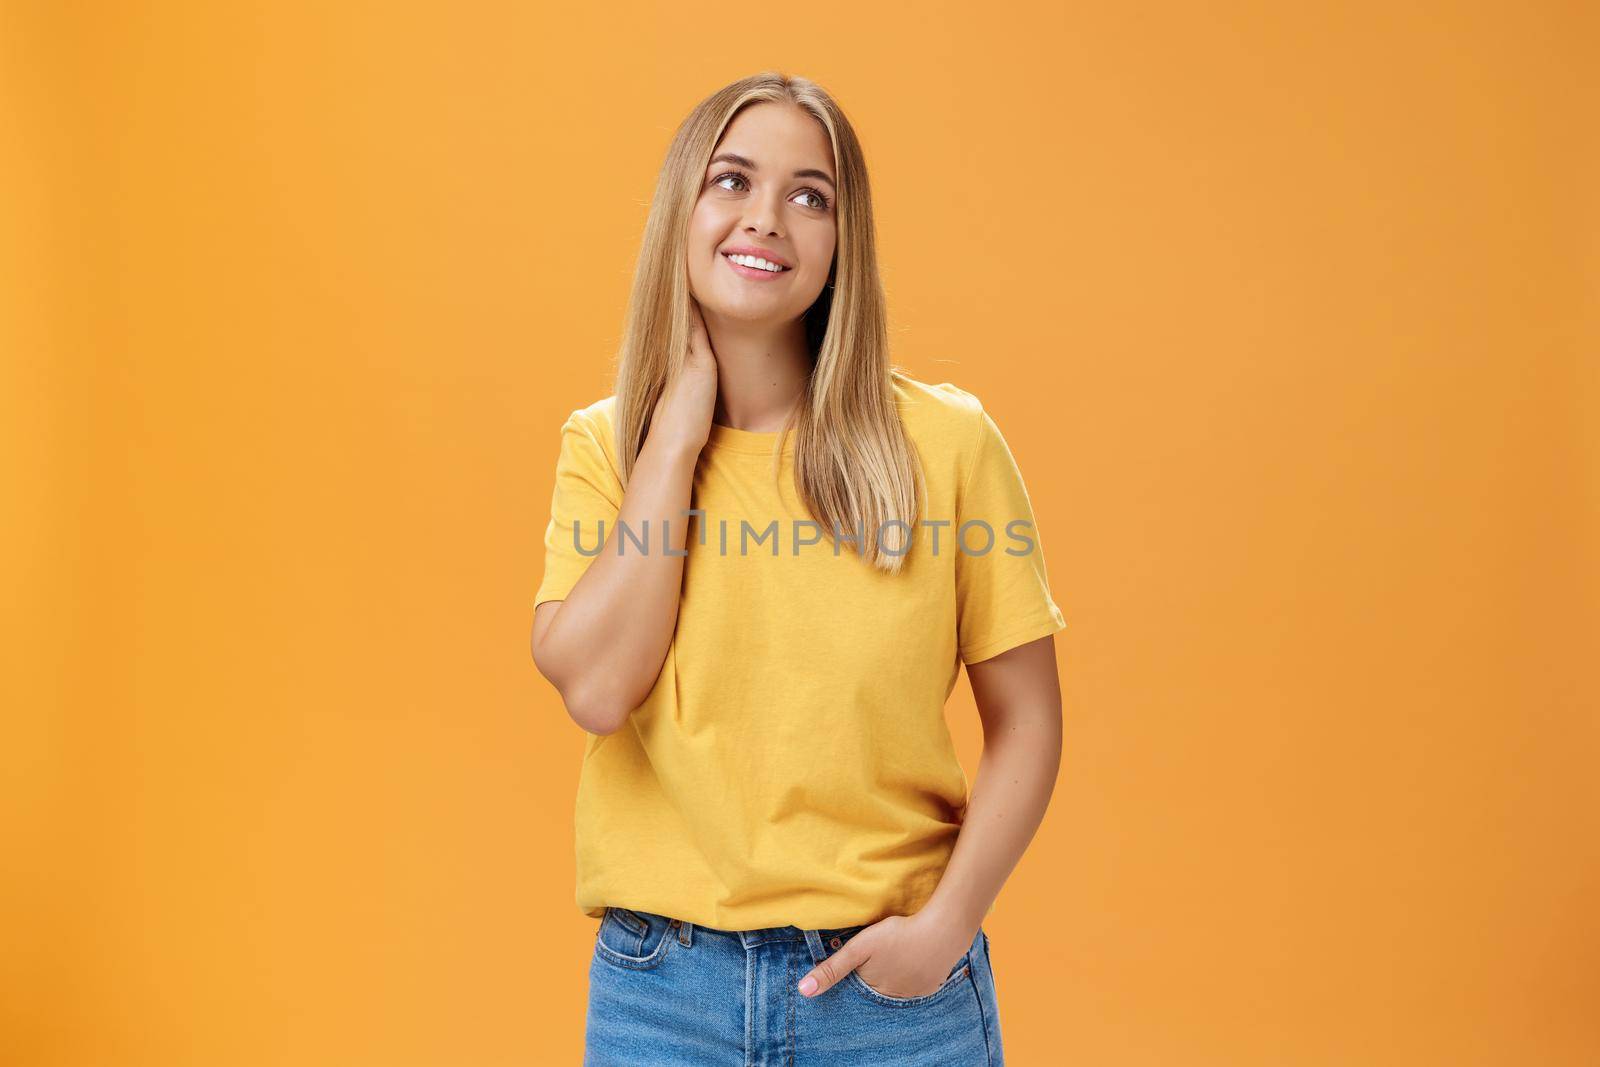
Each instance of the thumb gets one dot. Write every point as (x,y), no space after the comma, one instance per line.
(827,973)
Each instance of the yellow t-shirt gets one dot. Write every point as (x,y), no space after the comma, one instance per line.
(792,764)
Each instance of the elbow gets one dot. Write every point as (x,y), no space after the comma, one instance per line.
(590,709)
(594,709)
(592,702)
(596,699)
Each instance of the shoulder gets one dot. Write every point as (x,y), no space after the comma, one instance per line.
(597,415)
(590,429)
(939,416)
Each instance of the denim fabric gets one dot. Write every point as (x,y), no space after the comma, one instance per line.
(664,992)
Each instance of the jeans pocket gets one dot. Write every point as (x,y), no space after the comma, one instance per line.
(953,980)
(637,940)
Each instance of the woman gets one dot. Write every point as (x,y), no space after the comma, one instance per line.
(769,553)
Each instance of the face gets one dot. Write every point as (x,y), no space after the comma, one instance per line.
(777,197)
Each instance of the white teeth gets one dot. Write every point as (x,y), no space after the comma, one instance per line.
(753,261)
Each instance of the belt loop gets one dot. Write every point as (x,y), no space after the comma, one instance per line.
(684,926)
(814,943)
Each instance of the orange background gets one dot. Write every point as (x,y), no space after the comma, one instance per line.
(1288,312)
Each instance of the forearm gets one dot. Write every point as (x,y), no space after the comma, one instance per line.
(1016,776)
(604,648)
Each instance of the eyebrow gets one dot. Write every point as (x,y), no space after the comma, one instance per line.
(729,157)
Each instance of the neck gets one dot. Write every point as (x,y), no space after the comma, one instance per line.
(762,371)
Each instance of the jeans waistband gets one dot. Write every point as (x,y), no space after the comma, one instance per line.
(751,938)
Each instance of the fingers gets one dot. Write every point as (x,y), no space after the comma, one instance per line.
(826,974)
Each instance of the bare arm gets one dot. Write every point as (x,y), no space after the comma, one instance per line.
(1019,700)
(603,646)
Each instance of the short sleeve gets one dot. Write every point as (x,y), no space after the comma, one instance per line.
(587,493)
(1002,594)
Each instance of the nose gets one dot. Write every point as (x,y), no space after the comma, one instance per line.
(762,216)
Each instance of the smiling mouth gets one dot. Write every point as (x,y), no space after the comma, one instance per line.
(729,256)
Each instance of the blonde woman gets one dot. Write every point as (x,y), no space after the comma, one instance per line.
(769,554)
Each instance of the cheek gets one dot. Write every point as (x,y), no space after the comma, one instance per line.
(707,226)
(701,242)
(701,246)
(819,254)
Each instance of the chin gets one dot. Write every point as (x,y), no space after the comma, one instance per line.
(739,313)
(748,310)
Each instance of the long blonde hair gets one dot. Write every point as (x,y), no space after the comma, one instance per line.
(855,468)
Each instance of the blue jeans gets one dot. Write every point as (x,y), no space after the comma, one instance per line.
(665,992)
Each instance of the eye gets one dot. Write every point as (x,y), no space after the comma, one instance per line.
(735,174)
(824,201)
